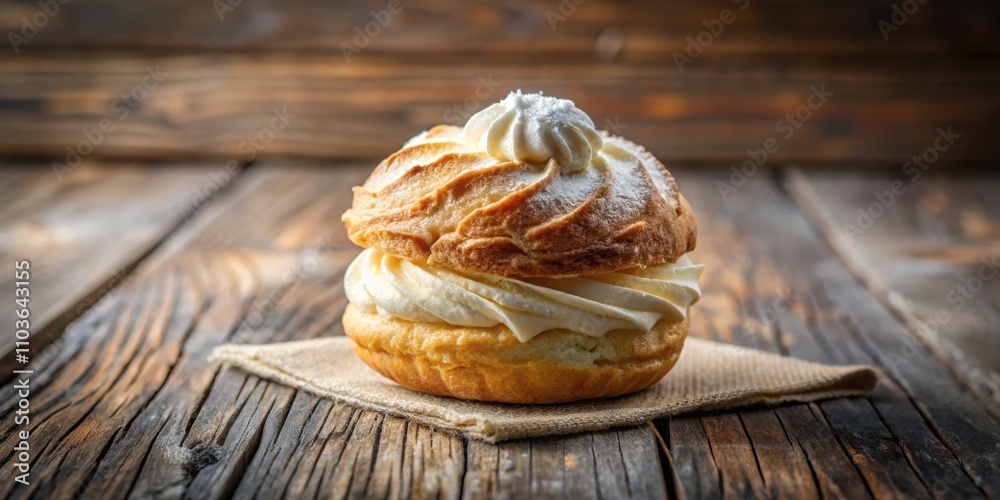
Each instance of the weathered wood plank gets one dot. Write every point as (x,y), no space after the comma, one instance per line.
(647,30)
(161,326)
(157,420)
(699,473)
(241,107)
(514,473)
(637,447)
(783,467)
(580,461)
(734,455)
(481,470)
(833,472)
(548,465)
(80,240)
(928,245)
(920,433)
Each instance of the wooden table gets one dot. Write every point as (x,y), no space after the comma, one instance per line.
(156,265)
(160,245)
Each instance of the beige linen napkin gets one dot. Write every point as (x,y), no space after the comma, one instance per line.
(709,375)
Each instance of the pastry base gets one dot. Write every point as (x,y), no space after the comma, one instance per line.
(491,364)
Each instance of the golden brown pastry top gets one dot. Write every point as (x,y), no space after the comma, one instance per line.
(452,205)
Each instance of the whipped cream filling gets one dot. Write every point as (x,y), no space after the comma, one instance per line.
(535,128)
(634,299)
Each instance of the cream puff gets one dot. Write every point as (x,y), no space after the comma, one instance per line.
(523,258)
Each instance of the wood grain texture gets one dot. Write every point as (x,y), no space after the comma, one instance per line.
(648,30)
(225,106)
(928,245)
(126,404)
(919,434)
(79,239)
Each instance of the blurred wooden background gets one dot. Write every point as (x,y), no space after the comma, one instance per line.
(226,66)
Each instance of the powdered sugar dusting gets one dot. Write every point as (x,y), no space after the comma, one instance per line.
(457,205)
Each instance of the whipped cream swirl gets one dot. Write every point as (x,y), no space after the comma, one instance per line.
(634,299)
(535,128)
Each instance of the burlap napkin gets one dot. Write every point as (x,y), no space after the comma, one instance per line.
(709,375)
